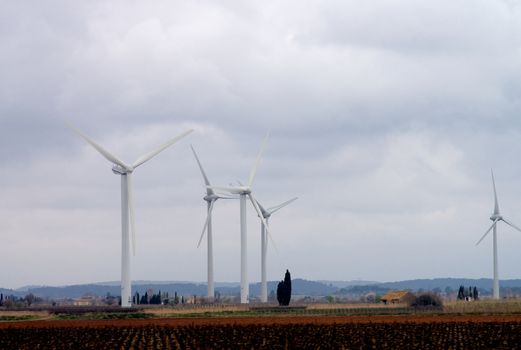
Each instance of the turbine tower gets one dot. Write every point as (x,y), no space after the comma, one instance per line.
(210,198)
(496,217)
(246,192)
(127,204)
(266,213)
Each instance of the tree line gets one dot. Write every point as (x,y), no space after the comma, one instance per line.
(159,299)
(468,294)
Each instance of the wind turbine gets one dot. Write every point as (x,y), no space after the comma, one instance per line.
(210,198)
(127,204)
(246,192)
(496,217)
(266,213)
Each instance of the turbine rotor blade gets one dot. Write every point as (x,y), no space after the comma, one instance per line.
(146,157)
(496,204)
(257,209)
(209,191)
(226,197)
(130,194)
(263,211)
(511,224)
(230,189)
(486,233)
(208,216)
(257,161)
(108,156)
(280,206)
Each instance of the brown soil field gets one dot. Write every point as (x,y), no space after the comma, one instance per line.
(264,320)
(268,332)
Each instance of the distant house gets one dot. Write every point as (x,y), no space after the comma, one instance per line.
(397,297)
(86,300)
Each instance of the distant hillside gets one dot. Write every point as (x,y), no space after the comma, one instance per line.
(299,286)
(345,284)
(5,291)
(454,283)
(483,284)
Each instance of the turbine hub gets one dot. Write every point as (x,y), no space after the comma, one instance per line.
(496,217)
(119,170)
(245,190)
(211,197)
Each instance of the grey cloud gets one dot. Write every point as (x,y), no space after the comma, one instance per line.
(385,120)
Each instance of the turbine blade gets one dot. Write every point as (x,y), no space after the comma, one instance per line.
(263,211)
(208,216)
(230,189)
(209,191)
(511,224)
(226,197)
(257,209)
(108,156)
(280,206)
(486,233)
(130,193)
(146,157)
(257,161)
(496,204)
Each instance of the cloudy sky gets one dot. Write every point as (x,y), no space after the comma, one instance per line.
(385,117)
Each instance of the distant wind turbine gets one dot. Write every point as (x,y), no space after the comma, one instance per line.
(211,197)
(127,204)
(496,217)
(266,213)
(243,192)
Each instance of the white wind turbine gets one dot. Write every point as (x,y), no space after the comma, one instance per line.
(243,192)
(266,213)
(127,204)
(496,217)
(210,198)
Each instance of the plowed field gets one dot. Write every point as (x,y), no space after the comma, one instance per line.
(351,332)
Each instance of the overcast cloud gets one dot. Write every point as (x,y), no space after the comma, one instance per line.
(385,119)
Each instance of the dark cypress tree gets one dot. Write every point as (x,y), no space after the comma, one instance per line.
(461,293)
(475,294)
(287,288)
(284,290)
(1,299)
(144,299)
(137,298)
(280,292)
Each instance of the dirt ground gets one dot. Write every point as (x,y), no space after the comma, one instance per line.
(269,320)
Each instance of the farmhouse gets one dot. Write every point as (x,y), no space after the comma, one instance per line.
(86,300)
(397,297)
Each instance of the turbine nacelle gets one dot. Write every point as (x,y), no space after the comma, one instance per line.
(119,170)
(211,197)
(245,190)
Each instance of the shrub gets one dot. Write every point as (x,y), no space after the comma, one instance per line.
(428,300)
